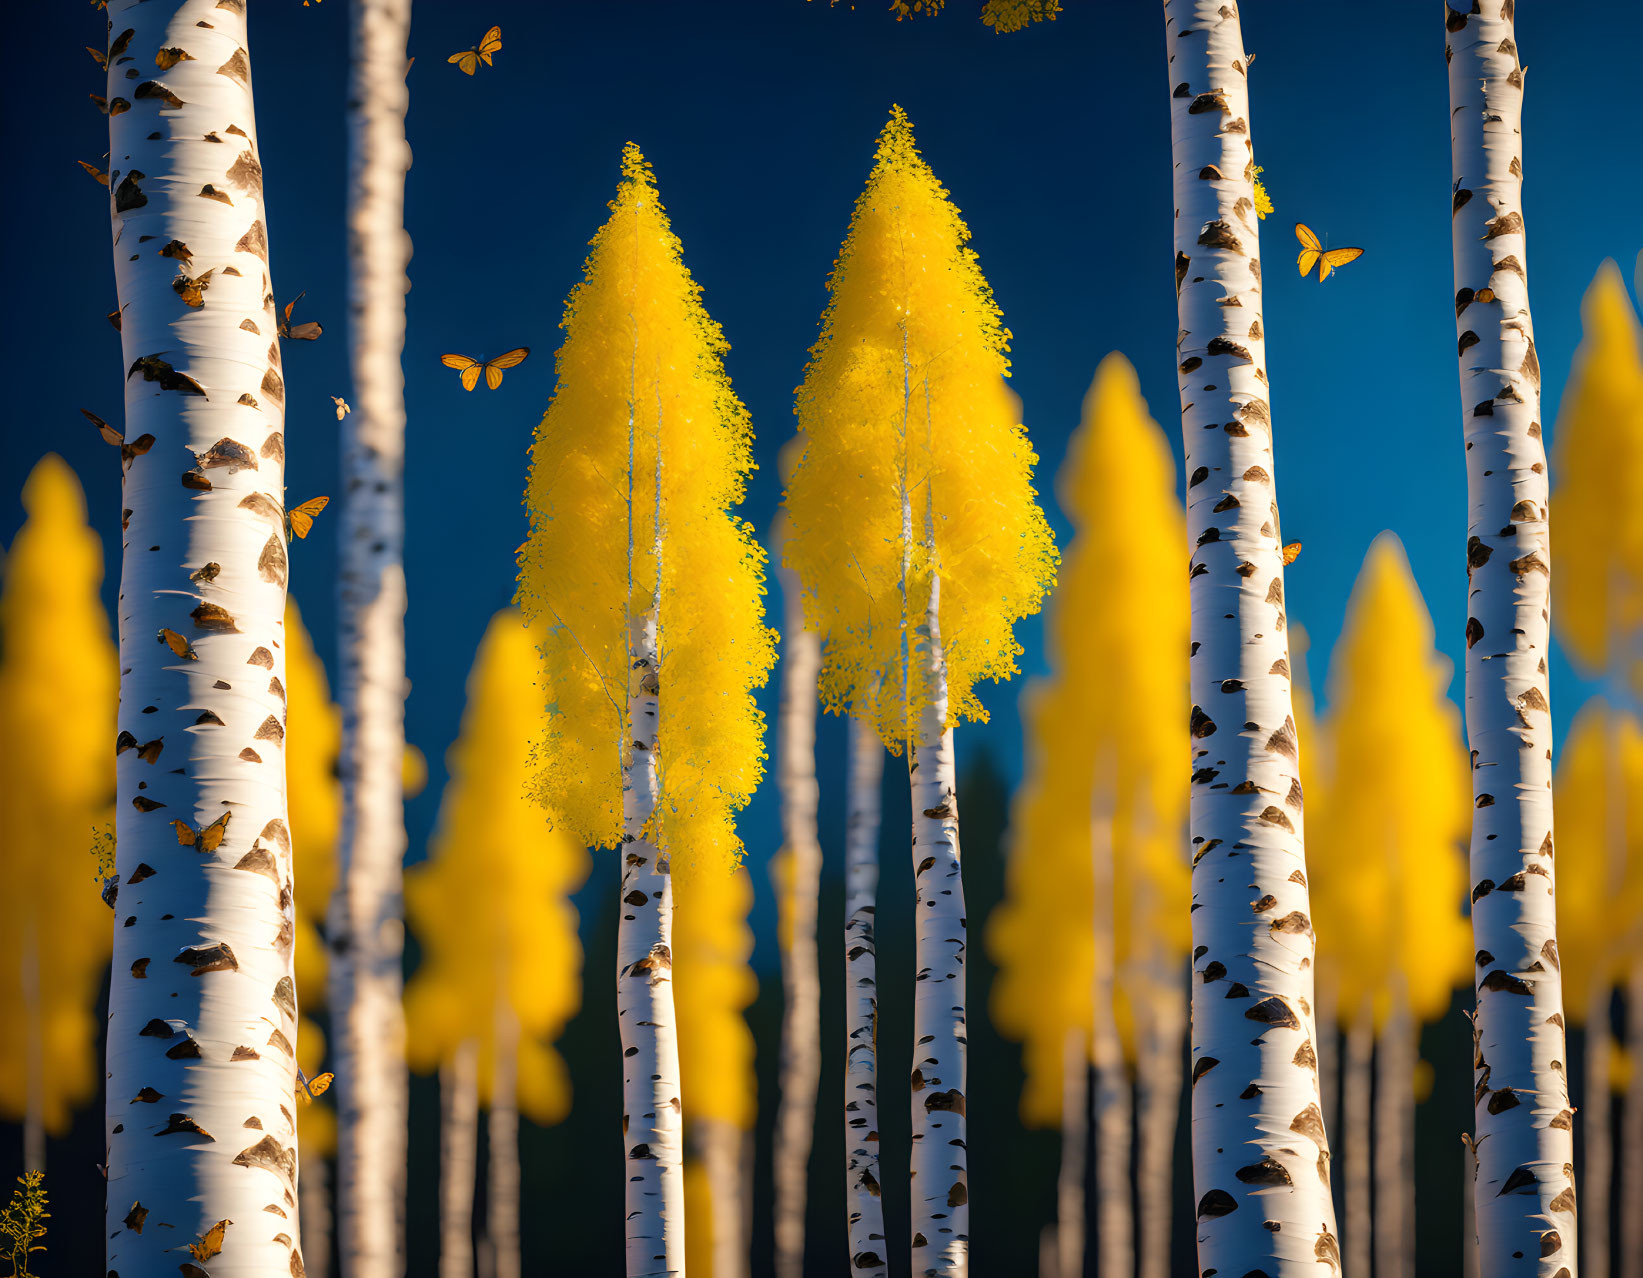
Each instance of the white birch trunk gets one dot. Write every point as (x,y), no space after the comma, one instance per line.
(1114,1113)
(1597,1167)
(1049,1264)
(366,924)
(864,1201)
(1071,1208)
(502,1197)
(1260,1154)
(719,1146)
(940,1190)
(1524,1140)
(1158,1096)
(653,1144)
(202,1008)
(314,1195)
(798,882)
(458,1159)
(1356,1084)
(1394,1144)
(1631,1130)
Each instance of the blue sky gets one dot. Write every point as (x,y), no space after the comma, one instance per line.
(759,117)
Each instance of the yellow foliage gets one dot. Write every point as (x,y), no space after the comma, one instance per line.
(1599,885)
(635,466)
(904,405)
(491,905)
(1109,714)
(1385,837)
(58,699)
(1599,496)
(713,985)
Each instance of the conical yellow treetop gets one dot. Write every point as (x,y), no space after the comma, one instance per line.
(491,906)
(1598,606)
(1386,858)
(635,468)
(58,695)
(904,410)
(1108,716)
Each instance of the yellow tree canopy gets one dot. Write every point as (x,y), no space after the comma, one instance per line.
(59,676)
(904,407)
(1109,715)
(491,905)
(635,466)
(713,985)
(1599,495)
(1385,849)
(1599,885)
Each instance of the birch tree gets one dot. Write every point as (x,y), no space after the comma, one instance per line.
(713,944)
(502,960)
(58,678)
(918,543)
(656,741)
(1091,937)
(202,1009)
(1260,1153)
(863,1180)
(1389,882)
(367,911)
(1523,1125)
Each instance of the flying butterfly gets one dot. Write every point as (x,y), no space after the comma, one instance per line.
(109,434)
(300,332)
(299,519)
(492,368)
(206,840)
(342,407)
(470,59)
(1292,552)
(309,1088)
(1312,250)
(94,171)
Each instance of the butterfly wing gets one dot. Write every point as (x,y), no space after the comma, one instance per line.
(457,361)
(179,645)
(109,434)
(302,517)
(185,834)
(318,1086)
(212,836)
(470,376)
(493,376)
(1291,553)
(509,358)
(492,43)
(305,332)
(1304,234)
(94,171)
(1307,258)
(467,60)
(1337,258)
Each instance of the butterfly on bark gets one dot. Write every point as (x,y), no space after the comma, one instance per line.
(492,368)
(1313,252)
(469,59)
(1291,553)
(309,1088)
(299,519)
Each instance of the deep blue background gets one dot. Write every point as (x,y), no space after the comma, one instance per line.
(759,117)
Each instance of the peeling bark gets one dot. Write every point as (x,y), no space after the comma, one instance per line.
(458,1159)
(366,923)
(1260,1154)
(864,1203)
(1524,1193)
(180,1028)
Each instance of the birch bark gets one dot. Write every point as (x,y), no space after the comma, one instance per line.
(1114,1113)
(314,1197)
(719,1144)
(1597,1167)
(202,1009)
(1260,1154)
(1071,1204)
(1468,1214)
(864,1202)
(1158,1097)
(940,1192)
(1356,1083)
(366,924)
(1525,1196)
(798,882)
(653,1144)
(1394,1140)
(458,1160)
(502,1198)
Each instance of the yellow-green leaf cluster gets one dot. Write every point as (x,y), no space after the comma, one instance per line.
(1103,727)
(1599,497)
(491,906)
(1385,837)
(904,411)
(1599,852)
(634,470)
(59,693)
(713,985)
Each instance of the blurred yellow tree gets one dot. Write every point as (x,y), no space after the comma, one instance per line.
(58,696)
(1094,929)
(1386,838)
(490,907)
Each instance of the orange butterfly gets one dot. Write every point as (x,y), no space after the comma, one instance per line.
(1313,251)
(492,368)
(206,840)
(210,1243)
(94,171)
(1292,552)
(299,519)
(308,1088)
(470,59)
(178,644)
(300,332)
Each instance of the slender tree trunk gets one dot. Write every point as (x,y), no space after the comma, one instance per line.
(1114,1112)
(1631,1130)
(458,1160)
(366,924)
(1328,1045)
(652,1119)
(1071,1209)
(1260,1154)
(1524,1140)
(34,1068)
(1394,1144)
(864,1202)
(1597,1167)
(502,1197)
(940,1189)
(797,874)
(202,1010)
(1356,1079)
(314,1193)
(1158,1095)
(1468,1213)
(717,1146)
